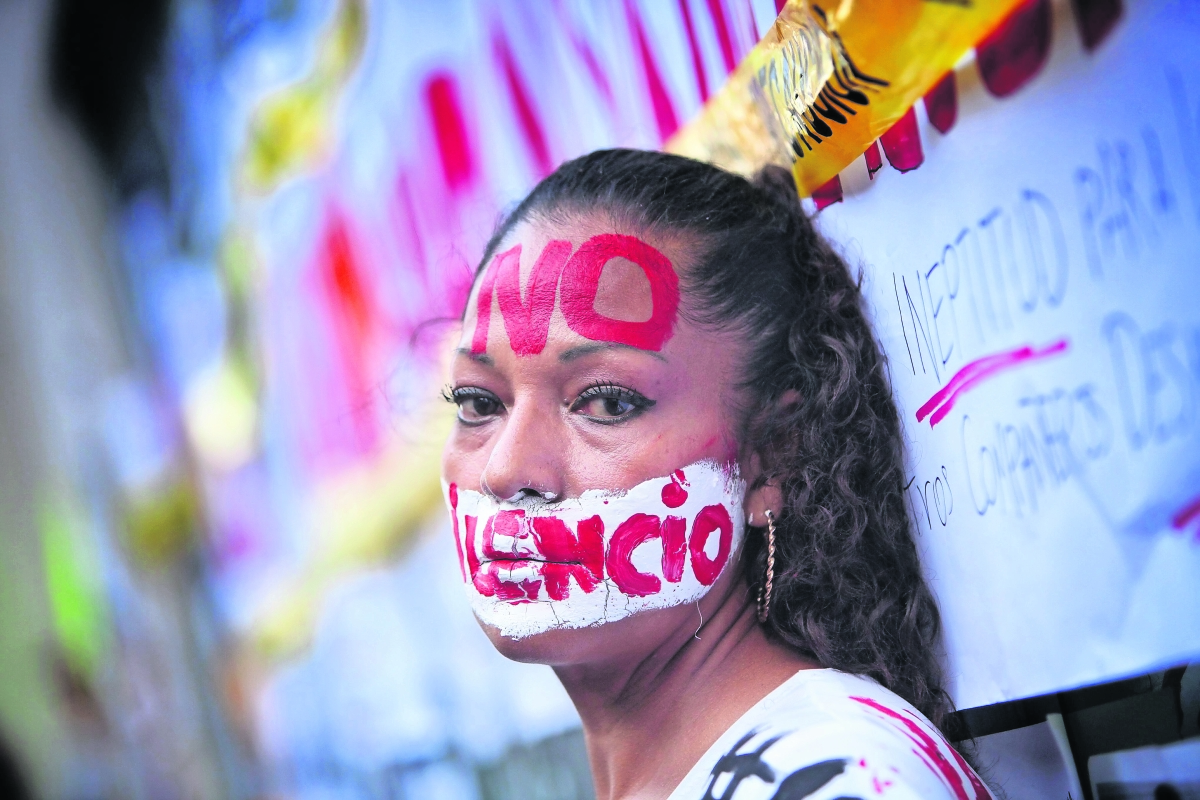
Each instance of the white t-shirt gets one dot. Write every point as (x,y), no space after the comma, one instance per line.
(828,735)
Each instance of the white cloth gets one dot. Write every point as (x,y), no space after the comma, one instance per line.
(828,735)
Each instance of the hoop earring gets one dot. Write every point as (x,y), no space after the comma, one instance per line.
(764,591)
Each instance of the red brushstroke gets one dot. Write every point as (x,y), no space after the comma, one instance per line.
(345,283)
(710,519)
(694,46)
(450,129)
(1010,56)
(941,103)
(528,322)
(355,317)
(674,542)
(1096,19)
(531,126)
(779,4)
(673,494)
(458,545)
(664,112)
(902,143)
(631,533)
(930,751)
(724,38)
(874,160)
(1186,514)
(581,280)
(979,370)
(828,193)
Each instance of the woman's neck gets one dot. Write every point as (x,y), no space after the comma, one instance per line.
(647,721)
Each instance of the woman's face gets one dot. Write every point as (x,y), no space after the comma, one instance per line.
(592,472)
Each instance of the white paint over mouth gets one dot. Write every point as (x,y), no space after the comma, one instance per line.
(662,543)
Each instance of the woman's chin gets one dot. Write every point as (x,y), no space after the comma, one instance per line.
(564,646)
(546,647)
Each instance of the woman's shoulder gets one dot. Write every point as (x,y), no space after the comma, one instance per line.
(827,734)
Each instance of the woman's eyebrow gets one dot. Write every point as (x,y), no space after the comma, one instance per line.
(582,350)
(481,358)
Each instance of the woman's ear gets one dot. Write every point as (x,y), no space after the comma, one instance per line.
(760,500)
(764,495)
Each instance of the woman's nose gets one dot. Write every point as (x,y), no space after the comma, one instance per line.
(527,459)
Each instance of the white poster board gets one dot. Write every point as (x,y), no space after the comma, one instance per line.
(1036,286)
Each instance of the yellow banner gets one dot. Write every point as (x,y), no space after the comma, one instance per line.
(829,79)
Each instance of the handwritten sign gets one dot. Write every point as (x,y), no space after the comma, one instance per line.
(1036,286)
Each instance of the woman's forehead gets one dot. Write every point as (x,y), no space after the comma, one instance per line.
(600,280)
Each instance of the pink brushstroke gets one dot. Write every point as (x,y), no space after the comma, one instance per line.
(694,46)
(978,371)
(941,103)
(1186,515)
(349,296)
(828,193)
(1015,52)
(724,37)
(902,143)
(587,55)
(531,126)
(664,111)
(930,750)
(450,129)
(874,160)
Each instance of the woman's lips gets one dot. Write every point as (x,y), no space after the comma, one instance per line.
(514,561)
(521,561)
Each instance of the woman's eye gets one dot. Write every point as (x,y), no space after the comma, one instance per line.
(610,403)
(606,407)
(475,405)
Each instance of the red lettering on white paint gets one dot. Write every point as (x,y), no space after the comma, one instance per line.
(710,519)
(561,555)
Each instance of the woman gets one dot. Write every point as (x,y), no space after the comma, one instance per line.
(677,479)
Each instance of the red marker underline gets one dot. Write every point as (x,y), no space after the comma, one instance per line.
(978,371)
(1186,515)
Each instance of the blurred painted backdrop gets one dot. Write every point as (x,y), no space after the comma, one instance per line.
(221,567)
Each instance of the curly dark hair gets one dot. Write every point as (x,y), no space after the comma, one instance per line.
(848,590)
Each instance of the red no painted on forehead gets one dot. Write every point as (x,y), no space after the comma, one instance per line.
(575,279)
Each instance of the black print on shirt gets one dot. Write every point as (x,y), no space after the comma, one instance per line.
(796,786)
(803,782)
(740,766)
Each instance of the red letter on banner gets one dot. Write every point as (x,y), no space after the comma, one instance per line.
(581,281)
